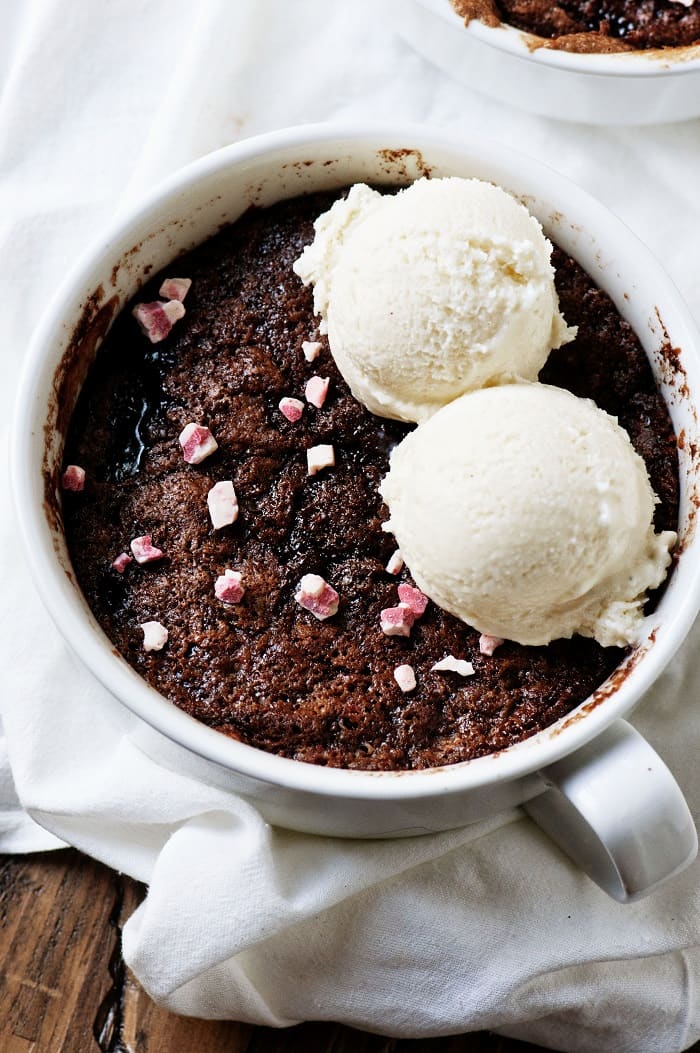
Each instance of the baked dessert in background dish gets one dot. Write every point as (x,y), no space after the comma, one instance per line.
(227,531)
(518,507)
(595,26)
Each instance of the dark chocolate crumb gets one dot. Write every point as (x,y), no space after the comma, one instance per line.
(265,671)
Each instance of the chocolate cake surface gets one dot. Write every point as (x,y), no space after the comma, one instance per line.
(594,25)
(265,670)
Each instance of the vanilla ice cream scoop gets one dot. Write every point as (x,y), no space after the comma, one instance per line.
(440,289)
(526,512)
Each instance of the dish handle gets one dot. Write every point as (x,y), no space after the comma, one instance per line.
(616,810)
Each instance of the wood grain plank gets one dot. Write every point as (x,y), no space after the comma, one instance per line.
(55,943)
(64,987)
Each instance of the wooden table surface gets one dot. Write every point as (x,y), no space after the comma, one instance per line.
(64,987)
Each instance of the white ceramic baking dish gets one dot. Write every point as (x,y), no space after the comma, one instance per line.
(590,779)
(635,87)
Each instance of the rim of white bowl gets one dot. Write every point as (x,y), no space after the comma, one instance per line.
(66,606)
(656,62)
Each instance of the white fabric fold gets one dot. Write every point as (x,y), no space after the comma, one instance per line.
(488,926)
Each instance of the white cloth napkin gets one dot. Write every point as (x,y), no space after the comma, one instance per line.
(484,927)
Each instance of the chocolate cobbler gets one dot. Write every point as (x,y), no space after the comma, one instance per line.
(594,25)
(160,538)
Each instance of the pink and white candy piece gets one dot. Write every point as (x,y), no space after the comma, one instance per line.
(144,551)
(122,562)
(197,443)
(319,457)
(228,587)
(292,409)
(314,594)
(155,636)
(157,319)
(223,504)
(73,478)
(413,598)
(175,288)
(450,664)
(405,677)
(488,644)
(395,564)
(316,391)
(311,349)
(397,621)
